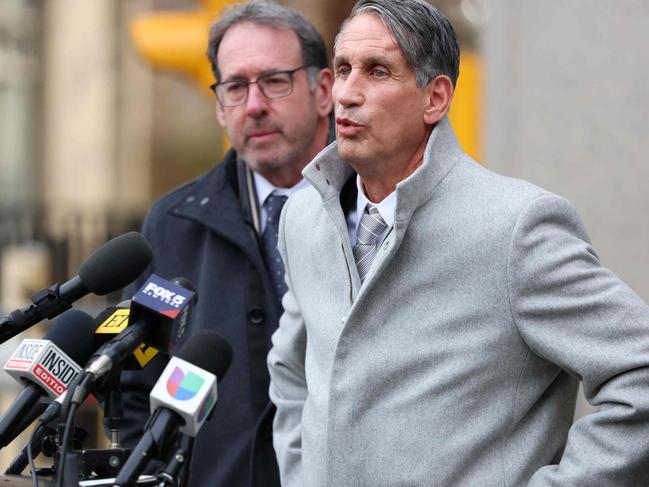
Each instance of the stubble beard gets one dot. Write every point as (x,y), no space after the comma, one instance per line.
(291,158)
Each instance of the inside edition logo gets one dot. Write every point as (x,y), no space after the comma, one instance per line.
(183,386)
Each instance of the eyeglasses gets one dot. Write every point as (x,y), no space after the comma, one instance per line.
(273,85)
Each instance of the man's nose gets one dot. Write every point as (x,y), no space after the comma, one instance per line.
(257,103)
(348,91)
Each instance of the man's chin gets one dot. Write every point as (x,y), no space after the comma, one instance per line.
(263,150)
(350,151)
(261,161)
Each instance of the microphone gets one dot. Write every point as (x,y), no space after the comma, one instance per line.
(181,399)
(155,309)
(46,367)
(115,319)
(112,266)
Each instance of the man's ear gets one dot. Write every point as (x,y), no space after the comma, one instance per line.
(439,93)
(220,116)
(324,84)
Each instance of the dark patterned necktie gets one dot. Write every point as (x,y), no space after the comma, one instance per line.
(370,230)
(273,206)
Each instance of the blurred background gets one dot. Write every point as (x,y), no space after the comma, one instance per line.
(104,107)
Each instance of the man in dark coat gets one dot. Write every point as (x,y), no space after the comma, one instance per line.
(220,230)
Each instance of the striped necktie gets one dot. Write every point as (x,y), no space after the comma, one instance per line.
(370,230)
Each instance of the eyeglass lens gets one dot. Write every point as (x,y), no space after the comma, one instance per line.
(272,85)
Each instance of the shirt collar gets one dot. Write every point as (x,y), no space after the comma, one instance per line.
(264,188)
(386,207)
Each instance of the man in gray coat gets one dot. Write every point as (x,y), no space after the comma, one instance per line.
(439,316)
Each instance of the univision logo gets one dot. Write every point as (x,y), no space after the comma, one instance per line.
(183,386)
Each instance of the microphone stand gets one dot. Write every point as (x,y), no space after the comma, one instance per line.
(84,464)
(113,412)
(176,472)
(47,303)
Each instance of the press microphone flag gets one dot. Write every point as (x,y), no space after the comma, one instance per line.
(171,301)
(111,267)
(111,322)
(42,362)
(46,368)
(187,385)
(187,390)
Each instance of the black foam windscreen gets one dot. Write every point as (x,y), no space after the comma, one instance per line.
(209,351)
(74,333)
(116,264)
(187,284)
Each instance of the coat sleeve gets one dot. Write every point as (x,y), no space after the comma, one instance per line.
(288,387)
(575,313)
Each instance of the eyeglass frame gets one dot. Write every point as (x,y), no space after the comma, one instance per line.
(290,72)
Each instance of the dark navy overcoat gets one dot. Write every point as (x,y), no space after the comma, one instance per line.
(203,231)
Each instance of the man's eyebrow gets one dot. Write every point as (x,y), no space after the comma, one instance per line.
(240,77)
(371,60)
(338,60)
(234,77)
(377,59)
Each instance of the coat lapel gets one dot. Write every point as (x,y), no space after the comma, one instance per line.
(214,202)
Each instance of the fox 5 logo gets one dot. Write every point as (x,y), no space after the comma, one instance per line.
(164,295)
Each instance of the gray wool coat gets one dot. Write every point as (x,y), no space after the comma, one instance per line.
(458,360)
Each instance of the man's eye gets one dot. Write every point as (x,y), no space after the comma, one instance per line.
(379,73)
(275,80)
(343,71)
(235,87)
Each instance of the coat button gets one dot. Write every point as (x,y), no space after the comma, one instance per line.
(256,316)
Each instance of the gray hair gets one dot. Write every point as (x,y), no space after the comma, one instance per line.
(425,36)
(271,14)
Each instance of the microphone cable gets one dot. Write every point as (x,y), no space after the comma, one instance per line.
(30,459)
(68,411)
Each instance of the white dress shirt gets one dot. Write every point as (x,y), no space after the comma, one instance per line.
(264,188)
(386,209)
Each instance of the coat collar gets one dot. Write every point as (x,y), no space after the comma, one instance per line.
(328,172)
(215,200)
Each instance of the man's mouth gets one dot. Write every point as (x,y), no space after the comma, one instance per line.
(261,134)
(347,128)
(345,122)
